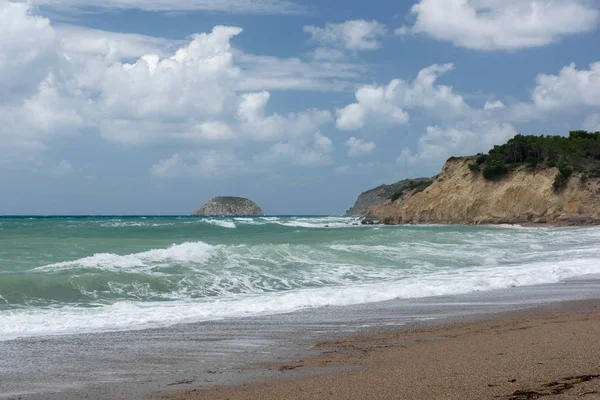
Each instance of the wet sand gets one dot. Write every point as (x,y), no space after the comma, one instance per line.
(548,352)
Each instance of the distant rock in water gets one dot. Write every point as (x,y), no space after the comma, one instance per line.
(229,206)
(370,199)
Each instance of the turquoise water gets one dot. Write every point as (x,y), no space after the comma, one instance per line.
(87,274)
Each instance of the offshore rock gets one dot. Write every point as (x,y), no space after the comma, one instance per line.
(228,207)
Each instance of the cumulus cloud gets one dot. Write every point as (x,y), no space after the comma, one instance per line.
(439,143)
(141,90)
(256,124)
(307,152)
(359,147)
(37,102)
(502,24)
(206,164)
(570,88)
(86,42)
(375,104)
(28,51)
(350,35)
(493,105)
(384,105)
(229,6)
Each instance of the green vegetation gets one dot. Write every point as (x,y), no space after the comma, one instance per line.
(415,187)
(578,152)
(474,168)
(494,170)
(397,195)
(562,177)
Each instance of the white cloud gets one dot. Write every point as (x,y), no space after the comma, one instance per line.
(28,51)
(137,89)
(80,41)
(571,91)
(259,72)
(216,130)
(256,124)
(502,24)
(307,152)
(167,97)
(439,143)
(592,123)
(376,104)
(206,164)
(36,104)
(359,147)
(229,6)
(493,105)
(350,35)
(570,88)
(384,105)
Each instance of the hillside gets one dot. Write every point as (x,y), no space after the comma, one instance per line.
(370,199)
(530,179)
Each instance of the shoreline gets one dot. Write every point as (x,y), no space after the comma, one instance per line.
(524,224)
(186,360)
(546,351)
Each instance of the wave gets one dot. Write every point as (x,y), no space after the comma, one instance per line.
(221,223)
(129,315)
(189,252)
(279,271)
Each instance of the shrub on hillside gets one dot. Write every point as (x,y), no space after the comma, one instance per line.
(494,171)
(481,159)
(396,195)
(474,168)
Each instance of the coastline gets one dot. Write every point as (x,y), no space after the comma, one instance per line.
(214,358)
(547,351)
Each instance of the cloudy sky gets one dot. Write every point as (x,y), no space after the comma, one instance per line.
(154,106)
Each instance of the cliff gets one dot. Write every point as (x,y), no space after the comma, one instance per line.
(229,206)
(370,199)
(525,194)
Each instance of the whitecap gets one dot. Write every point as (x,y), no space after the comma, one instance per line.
(189,252)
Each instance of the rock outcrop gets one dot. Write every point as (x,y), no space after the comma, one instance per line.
(525,195)
(370,199)
(229,206)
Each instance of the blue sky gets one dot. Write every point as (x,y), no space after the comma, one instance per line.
(155,106)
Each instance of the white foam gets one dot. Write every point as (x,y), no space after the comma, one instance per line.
(320,223)
(221,223)
(189,252)
(127,315)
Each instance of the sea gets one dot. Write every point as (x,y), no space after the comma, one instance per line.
(73,275)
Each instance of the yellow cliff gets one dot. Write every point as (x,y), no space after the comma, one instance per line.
(525,195)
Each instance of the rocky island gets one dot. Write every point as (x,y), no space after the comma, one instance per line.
(530,179)
(228,207)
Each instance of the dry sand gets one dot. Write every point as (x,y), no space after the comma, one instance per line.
(552,354)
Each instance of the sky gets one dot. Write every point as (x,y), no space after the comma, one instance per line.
(152,107)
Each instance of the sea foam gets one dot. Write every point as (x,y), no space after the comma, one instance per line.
(189,252)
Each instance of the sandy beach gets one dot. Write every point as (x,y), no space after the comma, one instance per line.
(551,351)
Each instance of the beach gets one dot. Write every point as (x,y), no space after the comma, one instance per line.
(551,351)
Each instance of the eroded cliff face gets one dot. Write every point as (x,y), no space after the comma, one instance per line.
(459,196)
